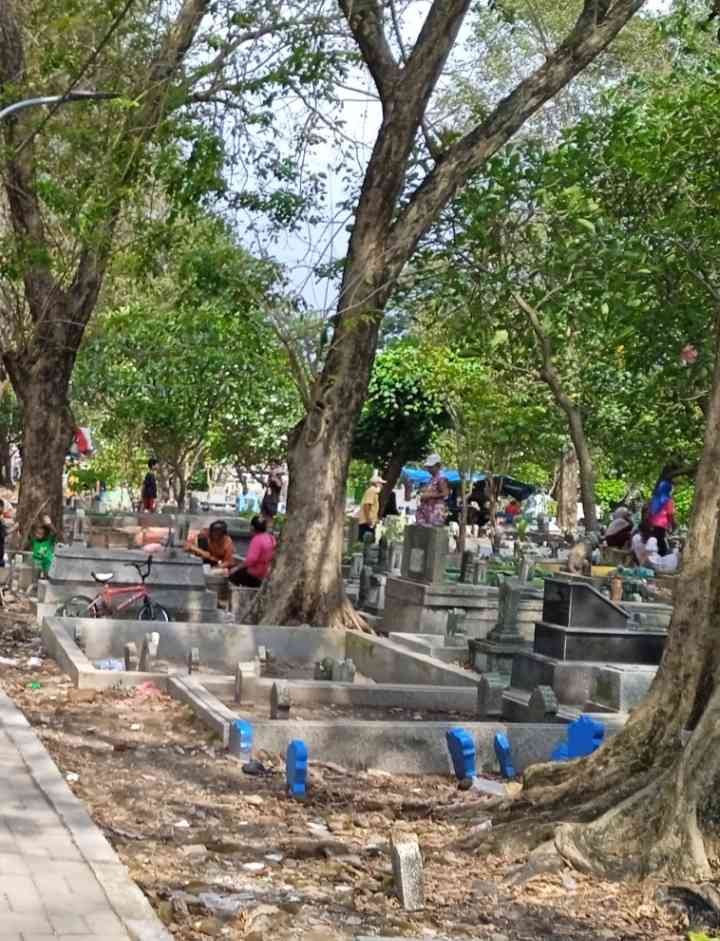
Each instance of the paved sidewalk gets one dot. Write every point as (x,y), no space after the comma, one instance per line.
(60,879)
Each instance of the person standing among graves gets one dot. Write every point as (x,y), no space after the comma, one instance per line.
(433,497)
(273,489)
(661,511)
(370,508)
(213,545)
(149,490)
(256,564)
(43,545)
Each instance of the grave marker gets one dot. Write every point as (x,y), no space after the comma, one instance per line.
(408,871)
(280,701)
(131,657)
(462,752)
(425,550)
(193,660)
(296,764)
(504,755)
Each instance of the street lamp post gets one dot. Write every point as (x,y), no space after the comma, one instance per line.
(56,99)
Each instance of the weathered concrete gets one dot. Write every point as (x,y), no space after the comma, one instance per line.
(189,690)
(386,662)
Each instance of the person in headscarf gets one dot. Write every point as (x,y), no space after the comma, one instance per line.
(617,535)
(433,497)
(661,510)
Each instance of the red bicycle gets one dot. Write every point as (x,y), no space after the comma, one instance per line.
(104,604)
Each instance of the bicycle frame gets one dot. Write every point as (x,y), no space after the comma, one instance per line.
(105,597)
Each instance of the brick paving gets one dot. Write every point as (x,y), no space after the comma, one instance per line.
(60,879)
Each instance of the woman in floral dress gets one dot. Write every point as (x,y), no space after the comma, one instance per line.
(433,497)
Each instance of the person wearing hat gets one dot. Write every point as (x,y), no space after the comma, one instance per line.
(433,498)
(370,507)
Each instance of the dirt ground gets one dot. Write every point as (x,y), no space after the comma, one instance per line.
(221,854)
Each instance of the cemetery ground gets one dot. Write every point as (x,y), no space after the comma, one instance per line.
(221,854)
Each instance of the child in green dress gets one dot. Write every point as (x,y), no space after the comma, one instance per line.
(43,545)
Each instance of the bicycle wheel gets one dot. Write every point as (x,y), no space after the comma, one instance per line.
(152,611)
(79,606)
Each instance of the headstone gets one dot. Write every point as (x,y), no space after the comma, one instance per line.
(408,870)
(462,753)
(425,550)
(280,701)
(365,586)
(503,754)
(324,669)
(241,738)
(246,677)
(455,626)
(343,671)
(543,705)
(571,603)
(154,639)
(382,561)
(193,660)
(507,629)
(490,690)
(356,565)
(145,656)
(466,565)
(131,657)
(525,568)
(479,571)
(395,558)
(296,767)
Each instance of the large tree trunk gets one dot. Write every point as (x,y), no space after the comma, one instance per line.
(306,584)
(636,805)
(566,491)
(47,434)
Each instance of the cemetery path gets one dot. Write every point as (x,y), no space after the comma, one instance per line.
(219,854)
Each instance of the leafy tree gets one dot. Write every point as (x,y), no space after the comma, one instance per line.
(190,368)
(81,183)
(398,204)
(405,408)
(643,805)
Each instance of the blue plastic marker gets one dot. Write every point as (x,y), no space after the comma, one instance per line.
(504,755)
(297,762)
(462,752)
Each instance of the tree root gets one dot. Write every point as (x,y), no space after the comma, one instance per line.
(347,618)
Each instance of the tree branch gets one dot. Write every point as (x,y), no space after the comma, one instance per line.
(364,17)
(593,31)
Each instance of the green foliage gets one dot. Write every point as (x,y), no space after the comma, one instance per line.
(683,496)
(189,367)
(700,936)
(405,406)
(609,492)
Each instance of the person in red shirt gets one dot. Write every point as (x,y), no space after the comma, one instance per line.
(256,564)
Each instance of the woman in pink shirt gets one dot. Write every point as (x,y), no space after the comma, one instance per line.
(661,510)
(256,564)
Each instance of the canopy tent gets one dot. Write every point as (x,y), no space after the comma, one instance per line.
(510,487)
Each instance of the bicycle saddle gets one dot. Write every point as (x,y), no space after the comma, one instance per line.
(103,577)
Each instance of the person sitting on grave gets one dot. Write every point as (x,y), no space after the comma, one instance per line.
(618,533)
(213,545)
(640,541)
(433,497)
(370,507)
(256,564)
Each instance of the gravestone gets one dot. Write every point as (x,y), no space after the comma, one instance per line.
(455,630)
(407,870)
(131,657)
(543,705)
(490,690)
(356,565)
(467,565)
(246,681)
(425,550)
(193,660)
(280,701)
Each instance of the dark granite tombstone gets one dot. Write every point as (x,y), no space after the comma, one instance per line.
(571,603)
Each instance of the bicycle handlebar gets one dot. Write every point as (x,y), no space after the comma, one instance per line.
(139,567)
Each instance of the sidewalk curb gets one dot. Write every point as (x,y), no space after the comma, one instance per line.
(124,896)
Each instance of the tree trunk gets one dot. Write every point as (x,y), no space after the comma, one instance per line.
(462,539)
(47,435)
(391,474)
(6,463)
(566,492)
(638,805)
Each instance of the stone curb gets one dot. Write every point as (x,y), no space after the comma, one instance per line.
(124,897)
